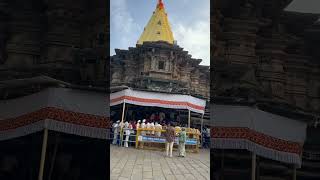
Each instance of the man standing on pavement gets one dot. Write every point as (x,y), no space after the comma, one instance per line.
(170,136)
(115,127)
(182,141)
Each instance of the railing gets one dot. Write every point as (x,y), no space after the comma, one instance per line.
(134,137)
(120,140)
(153,138)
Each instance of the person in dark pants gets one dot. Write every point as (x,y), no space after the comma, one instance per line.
(170,136)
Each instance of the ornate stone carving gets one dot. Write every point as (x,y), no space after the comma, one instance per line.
(40,37)
(278,89)
(174,75)
(115,78)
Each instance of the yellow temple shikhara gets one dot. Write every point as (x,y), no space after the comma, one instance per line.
(158,27)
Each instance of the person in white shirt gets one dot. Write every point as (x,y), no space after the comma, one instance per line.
(158,128)
(143,133)
(143,126)
(138,124)
(148,127)
(127,131)
(115,128)
(152,127)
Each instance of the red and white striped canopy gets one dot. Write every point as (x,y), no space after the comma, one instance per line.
(268,135)
(71,111)
(164,100)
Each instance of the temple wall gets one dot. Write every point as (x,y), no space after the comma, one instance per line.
(43,37)
(259,52)
(284,70)
(159,64)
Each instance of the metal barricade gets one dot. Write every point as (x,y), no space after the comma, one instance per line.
(131,136)
(140,143)
(134,135)
(120,140)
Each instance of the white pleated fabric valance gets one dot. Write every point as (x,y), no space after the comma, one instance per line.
(144,98)
(268,135)
(78,112)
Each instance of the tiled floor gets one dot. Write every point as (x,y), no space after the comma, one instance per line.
(130,163)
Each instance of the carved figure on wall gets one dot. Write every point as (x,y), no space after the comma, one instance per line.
(116,77)
(129,78)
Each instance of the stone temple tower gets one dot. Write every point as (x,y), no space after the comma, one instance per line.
(157,63)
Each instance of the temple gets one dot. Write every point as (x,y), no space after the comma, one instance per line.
(265,65)
(158,64)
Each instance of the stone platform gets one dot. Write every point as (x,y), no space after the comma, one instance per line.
(131,163)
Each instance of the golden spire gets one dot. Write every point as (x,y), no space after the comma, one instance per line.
(158,27)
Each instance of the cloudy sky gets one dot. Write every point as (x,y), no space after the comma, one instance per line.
(190,23)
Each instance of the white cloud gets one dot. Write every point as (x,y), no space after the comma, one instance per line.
(195,39)
(123,23)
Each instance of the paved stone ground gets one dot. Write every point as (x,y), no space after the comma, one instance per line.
(131,163)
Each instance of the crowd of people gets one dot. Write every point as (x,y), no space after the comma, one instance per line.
(150,115)
(129,130)
(155,130)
